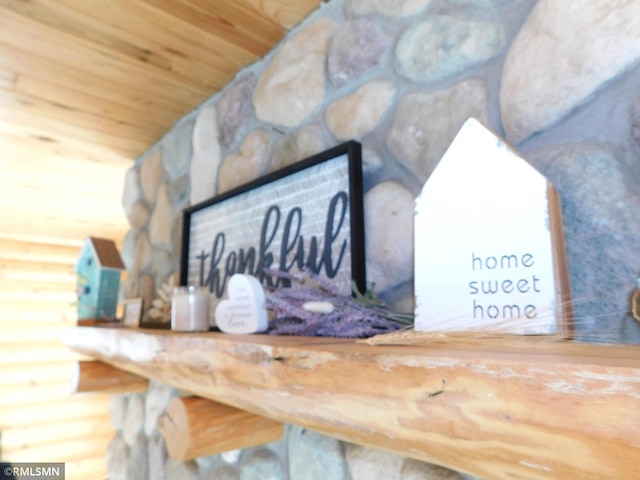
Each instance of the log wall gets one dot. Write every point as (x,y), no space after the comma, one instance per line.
(39,419)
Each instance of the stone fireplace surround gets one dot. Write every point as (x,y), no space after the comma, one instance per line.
(401,77)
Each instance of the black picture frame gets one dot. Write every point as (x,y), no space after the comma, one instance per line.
(235,232)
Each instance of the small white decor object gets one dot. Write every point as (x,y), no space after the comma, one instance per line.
(244,311)
(489,243)
(190,309)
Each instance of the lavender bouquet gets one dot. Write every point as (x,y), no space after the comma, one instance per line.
(313,307)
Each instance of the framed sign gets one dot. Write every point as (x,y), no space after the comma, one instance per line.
(132,313)
(306,216)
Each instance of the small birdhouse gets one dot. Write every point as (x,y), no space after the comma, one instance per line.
(98,268)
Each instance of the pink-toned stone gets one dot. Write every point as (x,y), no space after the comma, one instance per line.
(248,164)
(293,85)
(234,109)
(356,47)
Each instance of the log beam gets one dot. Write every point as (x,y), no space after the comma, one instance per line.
(92,376)
(197,427)
(544,411)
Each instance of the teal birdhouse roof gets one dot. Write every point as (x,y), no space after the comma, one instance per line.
(104,251)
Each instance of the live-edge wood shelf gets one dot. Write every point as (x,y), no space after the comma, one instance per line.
(550,410)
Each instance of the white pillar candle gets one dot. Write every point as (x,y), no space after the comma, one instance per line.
(190,309)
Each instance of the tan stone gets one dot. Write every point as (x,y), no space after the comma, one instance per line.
(143,254)
(160,224)
(293,85)
(564,52)
(356,115)
(388,220)
(248,164)
(427,122)
(151,172)
(206,156)
(138,215)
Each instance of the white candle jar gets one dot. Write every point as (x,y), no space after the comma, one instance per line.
(190,309)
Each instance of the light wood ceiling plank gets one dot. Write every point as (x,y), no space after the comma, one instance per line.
(16,102)
(284,12)
(238,23)
(38,126)
(45,70)
(104,107)
(22,33)
(18,142)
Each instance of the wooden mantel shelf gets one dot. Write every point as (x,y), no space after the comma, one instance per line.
(541,411)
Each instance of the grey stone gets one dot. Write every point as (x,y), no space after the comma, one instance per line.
(143,254)
(138,215)
(540,86)
(206,156)
(176,154)
(415,470)
(117,407)
(359,113)
(443,46)
(388,220)
(138,464)
(356,47)
(425,124)
(296,146)
(369,464)
(371,160)
(315,457)
(133,418)
(178,193)
(132,192)
(181,470)
(391,8)
(160,223)
(600,201)
(249,163)
(128,250)
(146,290)
(262,464)
(156,457)
(293,85)
(163,264)
(226,472)
(117,458)
(634,121)
(480,4)
(156,402)
(234,109)
(151,173)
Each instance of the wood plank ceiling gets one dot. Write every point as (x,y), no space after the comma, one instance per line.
(85,87)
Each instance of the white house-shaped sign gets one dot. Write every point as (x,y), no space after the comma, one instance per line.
(489,246)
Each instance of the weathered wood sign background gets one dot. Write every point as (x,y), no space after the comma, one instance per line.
(306,216)
(489,243)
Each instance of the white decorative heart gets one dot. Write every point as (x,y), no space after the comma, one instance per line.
(244,311)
